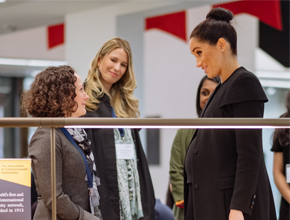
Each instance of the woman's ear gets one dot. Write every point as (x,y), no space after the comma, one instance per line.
(99,61)
(221,44)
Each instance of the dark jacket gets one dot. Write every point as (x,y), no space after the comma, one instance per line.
(225,168)
(103,147)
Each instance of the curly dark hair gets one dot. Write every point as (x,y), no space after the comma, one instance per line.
(52,93)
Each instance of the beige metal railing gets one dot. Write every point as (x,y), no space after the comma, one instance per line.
(144,122)
(136,123)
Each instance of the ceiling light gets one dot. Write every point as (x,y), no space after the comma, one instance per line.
(2,1)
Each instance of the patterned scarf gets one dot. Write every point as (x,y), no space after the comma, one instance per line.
(128,181)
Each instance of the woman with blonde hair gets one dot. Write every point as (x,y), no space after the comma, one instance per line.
(126,188)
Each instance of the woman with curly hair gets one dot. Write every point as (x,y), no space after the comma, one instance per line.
(126,188)
(59,92)
(281,149)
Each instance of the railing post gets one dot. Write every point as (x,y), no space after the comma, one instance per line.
(53,173)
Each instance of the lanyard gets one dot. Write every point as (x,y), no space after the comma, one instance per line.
(88,170)
(121,130)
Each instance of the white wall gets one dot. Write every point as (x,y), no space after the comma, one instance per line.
(30,44)
(86,31)
(247,31)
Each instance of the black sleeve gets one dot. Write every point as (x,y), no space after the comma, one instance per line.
(249,156)
(276,145)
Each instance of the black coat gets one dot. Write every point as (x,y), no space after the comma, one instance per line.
(103,147)
(225,168)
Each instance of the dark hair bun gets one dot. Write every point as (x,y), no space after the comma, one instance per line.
(220,14)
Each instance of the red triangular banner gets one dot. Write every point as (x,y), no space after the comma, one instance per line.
(55,34)
(174,24)
(268,12)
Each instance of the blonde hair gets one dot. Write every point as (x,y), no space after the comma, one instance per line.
(121,94)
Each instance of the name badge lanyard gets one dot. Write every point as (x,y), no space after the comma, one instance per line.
(88,170)
(121,130)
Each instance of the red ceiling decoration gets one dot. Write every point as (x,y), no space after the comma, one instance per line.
(268,12)
(174,24)
(55,35)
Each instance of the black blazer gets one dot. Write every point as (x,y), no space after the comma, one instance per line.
(103,147)
(225,168)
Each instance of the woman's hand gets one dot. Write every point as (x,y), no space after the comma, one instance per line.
(236,215)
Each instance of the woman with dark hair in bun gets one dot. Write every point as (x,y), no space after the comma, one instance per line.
(225,173)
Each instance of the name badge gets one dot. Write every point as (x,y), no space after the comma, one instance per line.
(287,172)
(125,151)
